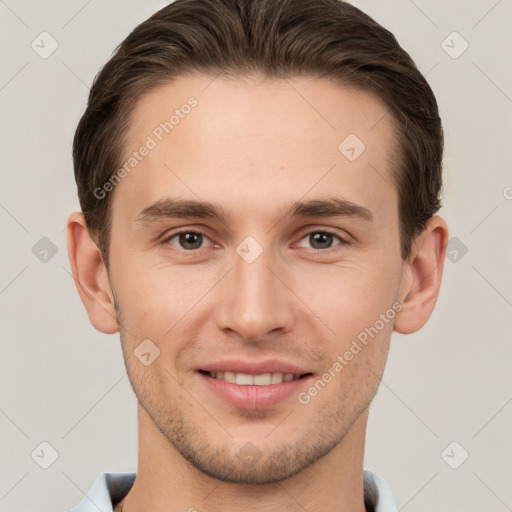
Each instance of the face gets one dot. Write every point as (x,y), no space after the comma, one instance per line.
(254,239)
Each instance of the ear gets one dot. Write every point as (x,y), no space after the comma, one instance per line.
(421,277)
(90,275)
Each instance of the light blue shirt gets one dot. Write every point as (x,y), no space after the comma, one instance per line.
(110,488)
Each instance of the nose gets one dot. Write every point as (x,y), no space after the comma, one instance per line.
(256,302)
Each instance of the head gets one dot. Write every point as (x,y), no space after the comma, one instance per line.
(265,124)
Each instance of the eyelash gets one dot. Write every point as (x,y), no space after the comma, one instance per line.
(192,252)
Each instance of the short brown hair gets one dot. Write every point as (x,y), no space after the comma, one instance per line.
(274,39)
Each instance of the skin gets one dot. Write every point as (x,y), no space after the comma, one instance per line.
(253,147)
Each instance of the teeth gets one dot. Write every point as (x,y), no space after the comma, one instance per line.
(229,376)
(264,379)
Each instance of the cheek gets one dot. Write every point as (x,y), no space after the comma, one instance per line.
(351,296)
(155,298)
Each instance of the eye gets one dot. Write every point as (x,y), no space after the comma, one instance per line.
(187,240)
(321,240)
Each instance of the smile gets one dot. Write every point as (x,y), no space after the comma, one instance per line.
(258,391)
(263,379)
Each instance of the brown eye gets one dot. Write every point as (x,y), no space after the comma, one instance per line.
(187,240)
(321,240)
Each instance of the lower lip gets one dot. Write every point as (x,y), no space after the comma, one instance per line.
(254,397)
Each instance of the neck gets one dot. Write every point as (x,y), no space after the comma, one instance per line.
(166,482)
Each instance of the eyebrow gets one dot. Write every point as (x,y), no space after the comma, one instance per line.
(184,208)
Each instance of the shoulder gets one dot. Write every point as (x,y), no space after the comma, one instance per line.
(106,491)
(377,494)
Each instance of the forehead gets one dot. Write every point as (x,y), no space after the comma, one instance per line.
(249,142)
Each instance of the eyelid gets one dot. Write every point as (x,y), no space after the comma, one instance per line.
(167,237)
(344,240)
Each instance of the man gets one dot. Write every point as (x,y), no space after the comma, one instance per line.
(258,183)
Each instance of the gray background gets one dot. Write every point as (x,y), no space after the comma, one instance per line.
(64,383)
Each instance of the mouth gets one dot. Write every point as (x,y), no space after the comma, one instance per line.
(262,379)
(267,385)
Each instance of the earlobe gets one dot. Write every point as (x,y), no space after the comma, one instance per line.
(90,275)
(421,279)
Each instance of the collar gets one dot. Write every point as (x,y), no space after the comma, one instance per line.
(110,488)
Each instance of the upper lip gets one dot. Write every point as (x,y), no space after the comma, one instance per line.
(254,367)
